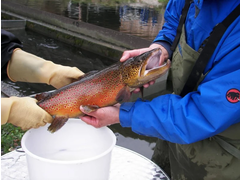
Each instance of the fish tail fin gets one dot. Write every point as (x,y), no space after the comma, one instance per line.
(57,123)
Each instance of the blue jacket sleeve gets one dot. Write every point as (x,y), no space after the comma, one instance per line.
(171,16)
(200,114)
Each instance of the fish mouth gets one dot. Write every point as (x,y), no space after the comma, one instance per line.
(152,62)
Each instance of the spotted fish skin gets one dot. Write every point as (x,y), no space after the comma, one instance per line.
(103,87)
(106,87)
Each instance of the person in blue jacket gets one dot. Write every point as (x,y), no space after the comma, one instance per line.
(201,129)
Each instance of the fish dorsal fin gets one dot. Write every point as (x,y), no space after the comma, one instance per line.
(123,95)
(88,74)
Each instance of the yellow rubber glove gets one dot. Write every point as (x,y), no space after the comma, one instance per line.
(23,112)
(26,67)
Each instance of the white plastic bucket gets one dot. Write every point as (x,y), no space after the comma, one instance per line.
(76,151)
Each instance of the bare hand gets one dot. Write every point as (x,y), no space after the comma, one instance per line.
(132,53)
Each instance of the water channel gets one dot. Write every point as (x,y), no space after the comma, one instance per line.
(142,18)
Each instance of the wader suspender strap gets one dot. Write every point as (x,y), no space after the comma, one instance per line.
(205,55)
(227,146)
(181,22)
(208,50)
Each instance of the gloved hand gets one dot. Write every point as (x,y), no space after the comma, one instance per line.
(23,112)
(26,67)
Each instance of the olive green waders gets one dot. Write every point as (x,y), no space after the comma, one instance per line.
(209,159)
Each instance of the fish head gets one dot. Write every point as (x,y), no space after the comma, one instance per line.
(139,70)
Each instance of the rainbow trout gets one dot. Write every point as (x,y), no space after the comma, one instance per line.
(104,88)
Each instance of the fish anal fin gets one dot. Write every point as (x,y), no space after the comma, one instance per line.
(123,95)
(89,108)
(57,123)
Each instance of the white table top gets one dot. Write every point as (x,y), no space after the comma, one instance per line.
(126,164)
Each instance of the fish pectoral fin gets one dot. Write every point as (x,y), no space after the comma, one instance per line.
(57,123)
(90,108)
(123,95)
(141,91)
